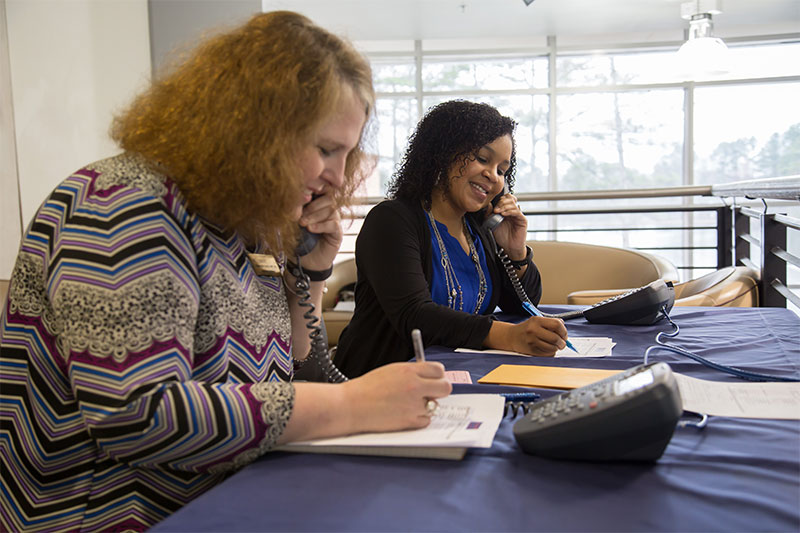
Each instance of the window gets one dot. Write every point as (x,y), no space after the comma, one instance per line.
(621,116)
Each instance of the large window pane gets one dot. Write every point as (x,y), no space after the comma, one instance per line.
(764,60)
(485,74)
(396,119)
(620,140)
(390,76)
(746,132)
(615,69)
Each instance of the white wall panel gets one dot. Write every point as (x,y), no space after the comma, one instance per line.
(72,65)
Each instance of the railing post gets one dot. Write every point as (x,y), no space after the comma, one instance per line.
(741,226)
(773,235)
(725,237)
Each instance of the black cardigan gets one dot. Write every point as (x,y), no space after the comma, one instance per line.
(393,296)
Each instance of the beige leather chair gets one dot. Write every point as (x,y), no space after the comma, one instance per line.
(343,275)
(567,267)
(727,287)
(3,293)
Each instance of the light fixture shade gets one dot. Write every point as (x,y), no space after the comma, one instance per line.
(703,56)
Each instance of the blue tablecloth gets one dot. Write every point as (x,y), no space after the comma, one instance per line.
(734,475)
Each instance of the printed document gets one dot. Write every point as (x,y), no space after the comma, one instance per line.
(746,400)
(460,420)
(585,346)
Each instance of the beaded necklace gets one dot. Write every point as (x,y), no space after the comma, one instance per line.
(455,296)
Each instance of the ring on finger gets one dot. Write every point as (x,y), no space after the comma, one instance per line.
(431,406)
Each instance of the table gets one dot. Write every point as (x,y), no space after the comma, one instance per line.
(734,475)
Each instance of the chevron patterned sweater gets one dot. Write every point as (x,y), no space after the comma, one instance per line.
(142,360)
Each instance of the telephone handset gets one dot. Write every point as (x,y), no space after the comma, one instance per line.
(494,220)
(306,242)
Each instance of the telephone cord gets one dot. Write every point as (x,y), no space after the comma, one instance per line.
(319,351)
(512,275)
(738,372)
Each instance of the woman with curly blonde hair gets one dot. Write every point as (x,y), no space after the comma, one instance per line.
(155,315)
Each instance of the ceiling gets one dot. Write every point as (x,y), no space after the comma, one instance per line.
(473,19)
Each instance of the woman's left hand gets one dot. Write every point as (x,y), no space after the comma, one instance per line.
(512,232)
(321,216)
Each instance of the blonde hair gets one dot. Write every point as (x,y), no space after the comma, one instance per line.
(228,123)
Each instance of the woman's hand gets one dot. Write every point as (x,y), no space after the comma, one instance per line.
(321,216)
(390,398)
(536,336)
(395,396)
(512,232)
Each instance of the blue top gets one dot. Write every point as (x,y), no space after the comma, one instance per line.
(462,265)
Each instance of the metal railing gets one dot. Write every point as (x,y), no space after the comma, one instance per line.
(697,237)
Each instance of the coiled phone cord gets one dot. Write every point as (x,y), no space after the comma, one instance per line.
(319,350)
(738,372)
(515,282)
(512,275)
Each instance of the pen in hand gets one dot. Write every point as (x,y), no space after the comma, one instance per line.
(416,341)
(535,312)
(419,353)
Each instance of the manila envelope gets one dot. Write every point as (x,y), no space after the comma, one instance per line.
(546,377)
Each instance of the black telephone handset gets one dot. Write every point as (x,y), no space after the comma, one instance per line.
(494,220)
(306,242)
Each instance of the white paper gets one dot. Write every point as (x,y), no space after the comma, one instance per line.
(746,400)
(586,346)
(345,305)
(468,420)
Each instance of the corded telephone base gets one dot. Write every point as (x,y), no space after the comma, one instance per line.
(641,306)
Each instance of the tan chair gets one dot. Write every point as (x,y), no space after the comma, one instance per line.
(727,287)
(567,267)
(3,293)
(338,287)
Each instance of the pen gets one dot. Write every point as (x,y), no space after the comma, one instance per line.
(535,312)
(416,341)
(520,396)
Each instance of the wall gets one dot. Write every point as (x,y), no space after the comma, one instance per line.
(9,191)
(70,66)
(175,27)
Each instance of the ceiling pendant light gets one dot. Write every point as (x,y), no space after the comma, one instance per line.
(702,55)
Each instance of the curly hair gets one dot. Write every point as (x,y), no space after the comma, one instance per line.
(449,133)
(227,124)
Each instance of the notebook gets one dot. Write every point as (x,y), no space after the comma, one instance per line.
(460,422)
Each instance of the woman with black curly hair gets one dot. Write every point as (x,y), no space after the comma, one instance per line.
(424,258)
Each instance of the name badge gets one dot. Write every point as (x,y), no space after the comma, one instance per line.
(264,264)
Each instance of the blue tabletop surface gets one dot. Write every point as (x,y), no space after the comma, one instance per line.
(734,475)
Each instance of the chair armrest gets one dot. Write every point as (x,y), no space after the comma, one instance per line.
(335,322)
(591,297)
